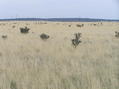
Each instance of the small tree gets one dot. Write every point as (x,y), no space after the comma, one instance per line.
(76,40)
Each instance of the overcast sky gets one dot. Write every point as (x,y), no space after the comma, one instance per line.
(108,9)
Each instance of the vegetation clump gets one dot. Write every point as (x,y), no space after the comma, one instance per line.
(94,24)
(80,25)
(44,36)
(24,30)
(76,40)
(117,34)
(69,25)
(4,36)
(13,26)
(13,85)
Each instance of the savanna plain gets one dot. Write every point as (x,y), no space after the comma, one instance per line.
(31,61)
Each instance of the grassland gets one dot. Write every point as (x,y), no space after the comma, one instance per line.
(28,62)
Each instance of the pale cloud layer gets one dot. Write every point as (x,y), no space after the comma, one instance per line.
(59,8)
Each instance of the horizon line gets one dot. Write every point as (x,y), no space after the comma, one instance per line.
(58,19)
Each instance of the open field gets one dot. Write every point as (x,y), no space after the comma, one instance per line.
(29,62)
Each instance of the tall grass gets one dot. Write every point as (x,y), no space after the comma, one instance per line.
(27,62)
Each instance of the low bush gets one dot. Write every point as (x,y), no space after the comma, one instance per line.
(24,30)
(94,24)
(4,36)
(13,26)
(76,40)
(13,85)
(117,34)
(44,36)
(80,25)
(69,25)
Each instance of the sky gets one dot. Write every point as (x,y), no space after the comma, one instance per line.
(106,9)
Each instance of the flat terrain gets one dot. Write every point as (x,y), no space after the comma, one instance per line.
(29,62)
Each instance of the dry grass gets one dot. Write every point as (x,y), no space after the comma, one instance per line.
(27,62)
